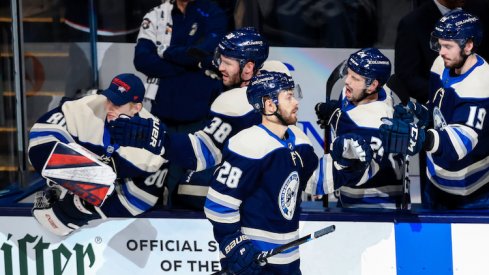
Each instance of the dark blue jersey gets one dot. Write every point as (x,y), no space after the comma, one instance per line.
(458,163)
(184,92)
(375,185)
(83,122)
(257,190)
(230,113)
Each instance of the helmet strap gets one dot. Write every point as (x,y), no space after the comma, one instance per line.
(365,95)
(277,114)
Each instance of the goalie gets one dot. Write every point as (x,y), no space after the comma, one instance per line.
(89,176)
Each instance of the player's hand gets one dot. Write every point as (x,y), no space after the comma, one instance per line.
(139,132)
(350,150)
(421,112)
(401,112)
(324,110)
(209,69)
(240,255)
(401,137)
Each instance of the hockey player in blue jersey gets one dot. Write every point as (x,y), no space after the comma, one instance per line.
(254,200)
(239,56)
(456,139)
(372,180)
(84,123)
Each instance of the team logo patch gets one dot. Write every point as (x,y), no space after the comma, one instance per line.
(287,197)
(145,24)
(439,120)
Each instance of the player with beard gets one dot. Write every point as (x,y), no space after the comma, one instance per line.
(238,56)
(254,199)
(457,157)
(371,179)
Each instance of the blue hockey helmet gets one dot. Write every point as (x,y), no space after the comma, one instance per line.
(371,64)
(267,84)
(459,26)
(244,45)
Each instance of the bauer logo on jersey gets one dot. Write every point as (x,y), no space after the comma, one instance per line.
(287,197)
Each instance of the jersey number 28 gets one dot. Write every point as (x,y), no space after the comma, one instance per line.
(229,175)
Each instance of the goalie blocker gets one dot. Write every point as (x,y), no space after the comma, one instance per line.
(79,171)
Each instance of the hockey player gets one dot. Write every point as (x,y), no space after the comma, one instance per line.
(372,180)
(84,123)
(457,156)
(239,56)
(253,202)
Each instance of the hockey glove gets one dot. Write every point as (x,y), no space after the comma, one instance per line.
(421,112)
(351,150)
(146,133)
(401,137)
(240,255)
(402,113)
(61,212)
(324,110)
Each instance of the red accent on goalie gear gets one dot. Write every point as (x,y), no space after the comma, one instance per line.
(90,192)
(62,160)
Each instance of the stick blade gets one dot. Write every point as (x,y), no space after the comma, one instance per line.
(324,231)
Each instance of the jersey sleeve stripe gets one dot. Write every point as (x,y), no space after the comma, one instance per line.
(54,133)
(459,184)
(224,200)
(207,154)
(140,194)
(228,218)
(462,138)
(132,199)
(458,174)
(271,237)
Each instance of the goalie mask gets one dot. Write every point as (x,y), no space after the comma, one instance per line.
(458,26)
(244,45)
(269,84)
(371,64)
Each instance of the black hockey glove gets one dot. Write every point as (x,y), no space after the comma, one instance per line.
(351,151)
(324,110)
(421,112)
(145,133)
(402,113)
(401,137)
(240,255)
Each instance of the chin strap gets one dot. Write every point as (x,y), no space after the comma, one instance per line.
(278,115)
(365,95)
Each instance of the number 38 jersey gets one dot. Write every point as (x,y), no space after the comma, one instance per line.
(458,164)
(257,189)
(230,113)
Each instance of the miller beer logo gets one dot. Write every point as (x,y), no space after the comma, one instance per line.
(20,254)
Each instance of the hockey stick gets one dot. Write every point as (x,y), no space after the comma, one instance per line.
(406,182)
(394,84)
(336,75)
(267,254)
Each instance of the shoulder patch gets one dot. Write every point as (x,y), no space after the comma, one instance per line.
(253,143)
(232,103)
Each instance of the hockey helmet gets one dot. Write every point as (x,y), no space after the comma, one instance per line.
(244,45)
(371,64)
(458,26)
(268,84)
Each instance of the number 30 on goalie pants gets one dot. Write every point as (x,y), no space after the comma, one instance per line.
(79,171)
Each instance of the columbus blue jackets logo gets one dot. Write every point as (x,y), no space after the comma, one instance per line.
(287,197)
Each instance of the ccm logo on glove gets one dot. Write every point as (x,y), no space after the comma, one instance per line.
(235,242)
(414,137)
